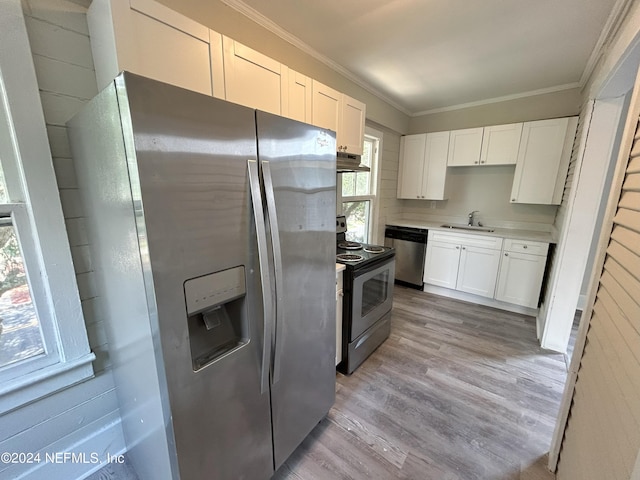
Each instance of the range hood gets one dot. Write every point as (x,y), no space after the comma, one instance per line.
(348,162)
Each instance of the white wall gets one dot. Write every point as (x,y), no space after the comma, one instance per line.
(83,418)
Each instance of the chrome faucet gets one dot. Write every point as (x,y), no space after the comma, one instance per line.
(470,224)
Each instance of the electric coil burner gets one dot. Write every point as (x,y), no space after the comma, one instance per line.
(350,245)
(368,297)
(349,257)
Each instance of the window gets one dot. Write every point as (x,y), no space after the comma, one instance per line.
(43,340)
(358,192)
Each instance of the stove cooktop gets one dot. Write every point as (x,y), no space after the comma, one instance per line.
(367,254)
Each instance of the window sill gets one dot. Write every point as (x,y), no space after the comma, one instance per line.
(41,383)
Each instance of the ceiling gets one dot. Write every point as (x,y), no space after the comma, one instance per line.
(432,55)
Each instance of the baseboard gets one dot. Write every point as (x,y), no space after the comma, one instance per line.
(470,298)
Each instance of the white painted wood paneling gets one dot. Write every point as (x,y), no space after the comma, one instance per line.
(390,206)
(85,417)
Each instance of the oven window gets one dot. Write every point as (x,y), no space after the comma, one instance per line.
(375,292)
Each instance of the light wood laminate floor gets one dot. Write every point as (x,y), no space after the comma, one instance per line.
(458,391)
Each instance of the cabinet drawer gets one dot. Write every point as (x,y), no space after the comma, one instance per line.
(525,246)
(484,241)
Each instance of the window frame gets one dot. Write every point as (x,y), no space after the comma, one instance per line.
(36,214)
(374,180)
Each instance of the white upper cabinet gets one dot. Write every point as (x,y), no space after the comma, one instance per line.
(494,145)
(351,127)
(342,114)
(423,166)
(543,160)
(410,171)
(298,97)
(326,106)
(253,79)
(149,39)
(500,144)
(464,147)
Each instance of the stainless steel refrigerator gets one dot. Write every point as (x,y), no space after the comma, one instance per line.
(213,243)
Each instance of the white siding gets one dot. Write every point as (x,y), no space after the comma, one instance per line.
(390,206)
(83,418)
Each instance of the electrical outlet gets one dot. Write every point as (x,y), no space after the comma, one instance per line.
(433,204)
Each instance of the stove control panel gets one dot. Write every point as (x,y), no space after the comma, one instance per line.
(341,224)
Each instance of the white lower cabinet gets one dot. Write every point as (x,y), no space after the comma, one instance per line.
(507,270)
(521,274)
(468,263)
(339,295)
(442,262)
(478,270)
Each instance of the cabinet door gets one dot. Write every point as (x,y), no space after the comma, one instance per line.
(412,151)
(441,264)
(500,144)
(251,78)
(351,126)
(435,166)
(520,278)
(298,97)
(478,270)
(464,147)
(539,160)
(149,39)
(325,110)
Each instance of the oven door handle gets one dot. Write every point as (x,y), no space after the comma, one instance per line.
(277,263)
(267,301)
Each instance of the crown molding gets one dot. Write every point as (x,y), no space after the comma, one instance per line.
(610,29)
(274,28)
(515,96)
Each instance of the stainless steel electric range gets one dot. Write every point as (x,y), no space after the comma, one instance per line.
(368,297)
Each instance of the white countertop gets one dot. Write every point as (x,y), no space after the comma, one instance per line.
(517,234)
(339,267)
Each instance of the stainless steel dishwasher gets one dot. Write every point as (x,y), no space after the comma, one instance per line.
(411,249)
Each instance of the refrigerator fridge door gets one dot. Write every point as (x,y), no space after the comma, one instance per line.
(299,173)
(187,157)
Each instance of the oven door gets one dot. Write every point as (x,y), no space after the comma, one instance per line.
(371,296)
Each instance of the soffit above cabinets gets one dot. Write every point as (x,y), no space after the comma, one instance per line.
(426,55)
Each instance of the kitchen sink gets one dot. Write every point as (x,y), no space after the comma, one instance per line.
(467,227)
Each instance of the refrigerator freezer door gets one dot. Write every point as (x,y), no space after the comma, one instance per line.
(300,183)
(190,187)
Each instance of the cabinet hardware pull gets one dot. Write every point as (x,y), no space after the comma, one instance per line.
(524,246)
(475,161)
(513,199)
(506,254)
(457,248)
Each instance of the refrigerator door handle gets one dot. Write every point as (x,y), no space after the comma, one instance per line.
(256,200)
(277,260)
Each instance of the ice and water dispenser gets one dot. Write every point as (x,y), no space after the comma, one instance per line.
(217,318)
